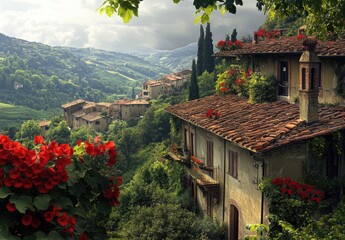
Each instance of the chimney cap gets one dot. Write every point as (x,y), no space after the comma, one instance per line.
(310,42)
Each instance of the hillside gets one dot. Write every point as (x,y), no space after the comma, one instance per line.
(176,59)
(15,115)
(43,77)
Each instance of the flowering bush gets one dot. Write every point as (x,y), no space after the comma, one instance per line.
(212,114)
(263,34)
(298,190)
(229,45)
(197,161)
(49,192)
(290,201)
(234,81)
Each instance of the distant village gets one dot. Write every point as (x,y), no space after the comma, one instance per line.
(98,116)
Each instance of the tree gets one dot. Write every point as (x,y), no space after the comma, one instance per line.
(193,87)
(60,133)
(208,50)
(234,35)
(322,16)
(28,131)
(200,62)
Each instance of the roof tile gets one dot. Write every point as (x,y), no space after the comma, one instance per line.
(259,126)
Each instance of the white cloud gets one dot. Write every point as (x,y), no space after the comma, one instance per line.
(161,24)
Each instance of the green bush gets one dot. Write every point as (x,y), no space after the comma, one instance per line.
(262,89)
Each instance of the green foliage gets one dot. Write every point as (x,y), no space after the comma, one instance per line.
(48,77)
(261,231)
(208,59)
(163,221)
(290,23)
(83,134)
(28,130)
(193,87)
(262,89)
(322,17)
(60,132)
(206,84)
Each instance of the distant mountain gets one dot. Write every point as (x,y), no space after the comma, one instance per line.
(176,59)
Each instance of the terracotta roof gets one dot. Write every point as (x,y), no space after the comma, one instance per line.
(132,102)
(70,104)
(153,83)
(287,45)
(105,104)
(89,105)
(79,113)
(92,116)
(258,127)
(44,123)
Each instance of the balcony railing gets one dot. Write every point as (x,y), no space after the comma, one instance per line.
(179,155)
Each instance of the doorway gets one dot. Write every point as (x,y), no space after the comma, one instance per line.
(233,223)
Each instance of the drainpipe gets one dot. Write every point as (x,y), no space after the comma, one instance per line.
(224,179)
(262,194)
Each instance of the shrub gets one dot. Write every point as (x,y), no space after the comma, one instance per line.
(262,89)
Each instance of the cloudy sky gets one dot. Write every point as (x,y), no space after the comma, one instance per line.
(76,23)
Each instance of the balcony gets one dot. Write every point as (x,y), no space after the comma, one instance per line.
(180,155)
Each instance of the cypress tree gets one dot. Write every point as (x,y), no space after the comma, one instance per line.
(133,93)
(200,62)
(234,35)
(208,50)
(193,86)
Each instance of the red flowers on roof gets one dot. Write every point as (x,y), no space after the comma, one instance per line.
(212,114)
(223,45)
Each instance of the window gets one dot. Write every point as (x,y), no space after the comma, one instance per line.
(312,78)
(209,156)
(97,122)
(233,164)
(146,93)
(185,138)
(46,128)
(303,79)
(192,144)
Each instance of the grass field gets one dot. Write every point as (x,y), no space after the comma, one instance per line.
(16,115)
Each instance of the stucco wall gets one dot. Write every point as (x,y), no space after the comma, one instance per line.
(327,95)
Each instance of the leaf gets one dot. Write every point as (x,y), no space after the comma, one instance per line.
(42,201)
(5,192)
(53,235)
(109,10)
(126,14)
(176,1)
(205,18)
(22,202)
(65,202)
(197,19)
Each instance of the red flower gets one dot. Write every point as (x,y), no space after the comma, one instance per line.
(36,222)
(49,216)
(63,220)
(11,207)
(277,181)
(27,220)
(119,180)
(39,140)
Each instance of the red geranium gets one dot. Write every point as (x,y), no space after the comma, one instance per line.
(27,220)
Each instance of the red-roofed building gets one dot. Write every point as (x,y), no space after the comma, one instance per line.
(233,144)
(280,57)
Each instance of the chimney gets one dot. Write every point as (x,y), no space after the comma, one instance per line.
(309,74)
(255,38)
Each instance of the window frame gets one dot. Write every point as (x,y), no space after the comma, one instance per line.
(232,163)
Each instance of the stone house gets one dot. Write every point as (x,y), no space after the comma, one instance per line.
(166,85)
(131,109)
(251,141)
(98,116)
(44,125)
(280,57)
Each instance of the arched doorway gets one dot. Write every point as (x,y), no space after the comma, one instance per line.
(233,230)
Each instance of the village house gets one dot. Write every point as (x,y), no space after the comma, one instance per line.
(240,143)
(280,57)
(98,116)
(166,85)
(44,125)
